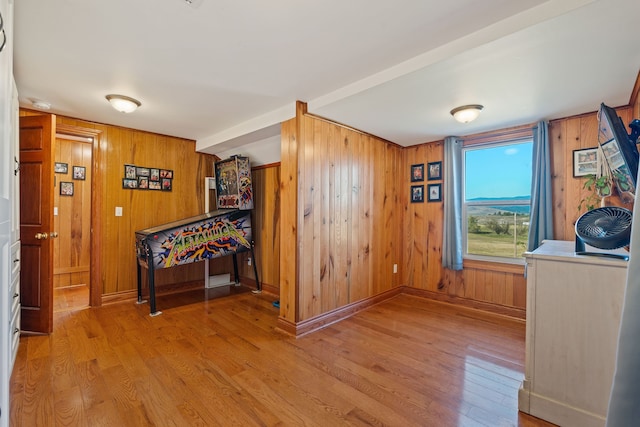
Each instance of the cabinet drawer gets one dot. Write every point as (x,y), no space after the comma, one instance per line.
(14,332)
(14,295)
(15,260)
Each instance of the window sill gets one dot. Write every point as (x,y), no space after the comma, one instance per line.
(493,266)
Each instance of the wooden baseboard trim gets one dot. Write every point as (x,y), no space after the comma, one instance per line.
(517,313)
(116,297)
(266,287)
(311,325)
(305,327)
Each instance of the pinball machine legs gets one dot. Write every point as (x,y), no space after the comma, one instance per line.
(236,274)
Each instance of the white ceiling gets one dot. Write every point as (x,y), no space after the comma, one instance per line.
(225,73)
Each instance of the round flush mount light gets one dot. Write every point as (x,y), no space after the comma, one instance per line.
(41,105)
(466,113)
(124,104)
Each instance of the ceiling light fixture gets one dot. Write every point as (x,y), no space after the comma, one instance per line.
(122,103)
(467,113)
(40,105)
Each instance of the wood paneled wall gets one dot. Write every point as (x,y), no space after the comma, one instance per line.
(566,135)
(71,250)
(265,218)
(341,217)
(142,208)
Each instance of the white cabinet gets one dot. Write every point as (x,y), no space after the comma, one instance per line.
(574,306)
(9,215)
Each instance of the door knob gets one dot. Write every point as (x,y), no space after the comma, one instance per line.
(53,234)
(41,236)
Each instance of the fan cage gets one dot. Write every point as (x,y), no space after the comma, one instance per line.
(605,228)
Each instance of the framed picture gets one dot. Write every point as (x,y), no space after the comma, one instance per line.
(166,173)
(79,172)
(129,183)
(61,167)
(143,182)
(417,193)
(129,172)
(434,171)
(155,185)
(142,171)
(417,172)
(166,184)
(155,175)
(435,192)
(585,162)
(66,188)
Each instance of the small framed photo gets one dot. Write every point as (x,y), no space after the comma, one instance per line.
(61,167)
(142,171)
(166,173)
(435,192)
(417,172)
(417,193)
(66,188)
(129,183)
(585,162)
(79,172)
(155,185)
(434,171)
(129,172)
(143,182)
(166,184)
(155,175)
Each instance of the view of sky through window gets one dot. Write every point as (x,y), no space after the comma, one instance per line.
(498,172)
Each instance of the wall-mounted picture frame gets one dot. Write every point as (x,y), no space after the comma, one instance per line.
(166,173)
(585,162)
(129,183)
(166,184)
(142,171)
(155,185)
(79,172)
(155,174)
(129,172)
(434,171)
(417,193)
(66,188)
(417,172)
(61,167)
(434,192)
(143,182)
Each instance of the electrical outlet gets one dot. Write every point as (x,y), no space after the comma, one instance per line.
(395,268)
(248,261)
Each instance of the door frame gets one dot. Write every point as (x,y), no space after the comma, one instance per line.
(95,268)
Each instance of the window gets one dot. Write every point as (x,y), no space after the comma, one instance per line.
(497,194)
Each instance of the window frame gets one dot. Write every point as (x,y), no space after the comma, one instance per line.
(520,136)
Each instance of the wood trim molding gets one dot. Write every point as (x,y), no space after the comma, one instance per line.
(517,313)
(305,327)
(95,273)
(633,99)
(270,165)
(508,134)
(494,266)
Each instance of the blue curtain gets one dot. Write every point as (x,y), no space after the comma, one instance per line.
(624,404)
(452,233)
(541,221)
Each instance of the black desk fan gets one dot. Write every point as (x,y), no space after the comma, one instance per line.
(604,228)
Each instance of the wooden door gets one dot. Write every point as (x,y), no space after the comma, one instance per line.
(37,141)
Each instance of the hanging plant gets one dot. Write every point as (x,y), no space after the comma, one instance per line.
(600,188)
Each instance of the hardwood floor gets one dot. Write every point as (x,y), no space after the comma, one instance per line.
(219,361)
(70,298)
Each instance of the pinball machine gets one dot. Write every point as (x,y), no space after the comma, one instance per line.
(203,237)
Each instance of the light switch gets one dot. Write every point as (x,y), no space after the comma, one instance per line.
(118,210)
(55,211)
